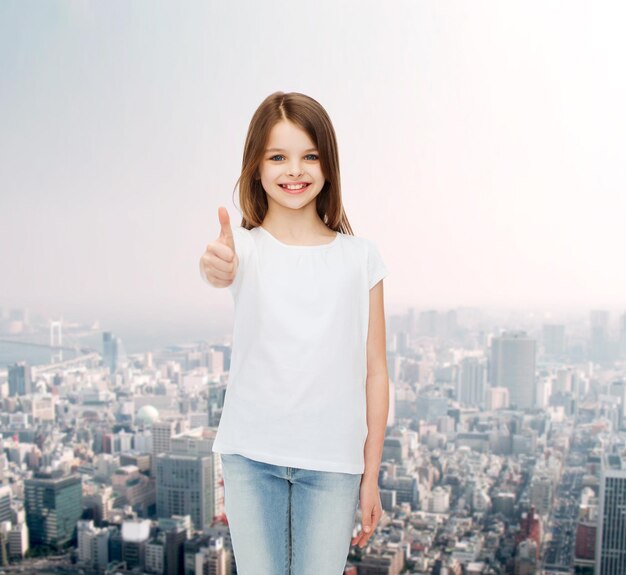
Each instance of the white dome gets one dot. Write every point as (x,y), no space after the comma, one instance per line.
(147,414)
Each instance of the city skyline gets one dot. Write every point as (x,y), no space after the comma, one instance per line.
(483,468)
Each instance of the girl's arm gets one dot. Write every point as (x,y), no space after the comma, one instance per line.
(377,385)
(377,411)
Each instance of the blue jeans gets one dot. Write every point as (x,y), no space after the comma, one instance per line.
(287,520)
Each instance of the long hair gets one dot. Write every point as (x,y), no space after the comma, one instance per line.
(309,115)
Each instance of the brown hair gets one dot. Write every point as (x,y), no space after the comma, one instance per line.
(310,116)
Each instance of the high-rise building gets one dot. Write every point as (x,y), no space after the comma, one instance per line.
(599,348)
(112,351)
(155,554)
(186,481)
(213,558)
(135,536)
(622,336)
(586,534)
(541,492)
(109,351)
(5,503)
(53,507)
(513,358)
(20,379)
(174,550)
(526,558)
(530,530)
(611,532)
(18,540)
(472,385)
(162,433)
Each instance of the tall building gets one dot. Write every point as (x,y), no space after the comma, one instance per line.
(53,508)
(5,503)
(530,530)
(586,534)
(472,385)
(213,558)
(599,348)
(541,493)
(162,433)
(513,359)
(112,351)
(526,558)
(186,479)
(175,538)
(18,540)
(109,350)
(20,379)
(611,532)
(622,336)
(135,535)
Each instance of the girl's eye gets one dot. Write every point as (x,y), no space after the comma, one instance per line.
(315,156)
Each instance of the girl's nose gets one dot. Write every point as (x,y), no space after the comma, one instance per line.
(295,171)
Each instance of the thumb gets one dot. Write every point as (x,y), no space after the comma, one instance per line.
(226,232)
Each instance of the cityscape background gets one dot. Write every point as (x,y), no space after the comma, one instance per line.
(482,149)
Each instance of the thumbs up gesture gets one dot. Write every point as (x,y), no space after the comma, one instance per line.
(219,262)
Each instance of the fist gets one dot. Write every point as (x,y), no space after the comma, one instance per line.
(219,262)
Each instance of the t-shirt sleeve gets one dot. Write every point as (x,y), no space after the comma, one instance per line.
(376,268)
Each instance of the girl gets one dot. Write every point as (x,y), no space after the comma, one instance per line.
(302,428)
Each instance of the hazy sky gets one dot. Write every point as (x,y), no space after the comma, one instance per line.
(482,145)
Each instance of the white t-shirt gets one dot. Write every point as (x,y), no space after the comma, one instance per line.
(296,386)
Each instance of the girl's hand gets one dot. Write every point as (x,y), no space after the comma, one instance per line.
(371,511)
(219,262)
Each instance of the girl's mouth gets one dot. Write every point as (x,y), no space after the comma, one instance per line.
(294,188)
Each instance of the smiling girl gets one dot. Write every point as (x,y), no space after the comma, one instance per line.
(302,428)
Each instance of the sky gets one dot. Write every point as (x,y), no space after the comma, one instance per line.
(481,144)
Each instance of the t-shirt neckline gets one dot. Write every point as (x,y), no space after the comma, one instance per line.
(316,246)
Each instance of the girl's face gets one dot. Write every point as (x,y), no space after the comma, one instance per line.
(290,157)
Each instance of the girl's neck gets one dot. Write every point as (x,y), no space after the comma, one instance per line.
(298,232)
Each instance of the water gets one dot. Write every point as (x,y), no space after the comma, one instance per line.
(134,341)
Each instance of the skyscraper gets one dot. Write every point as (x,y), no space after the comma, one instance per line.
(186,481)
(20,379)
(472,384)
(112,351)
(599,335)
(513,358)
(622,336)
(162,432)
(53,507)
(611,533)
(5,503)
(109,351)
